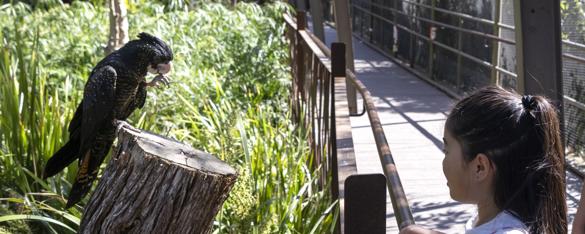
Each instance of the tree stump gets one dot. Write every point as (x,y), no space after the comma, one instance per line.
(154,184)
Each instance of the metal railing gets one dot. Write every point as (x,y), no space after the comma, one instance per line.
(311,97)
(397,195)
(318,101)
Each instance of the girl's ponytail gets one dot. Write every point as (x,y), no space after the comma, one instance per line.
(551,214)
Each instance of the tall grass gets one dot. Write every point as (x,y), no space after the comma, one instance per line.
(228,97)
(31,128)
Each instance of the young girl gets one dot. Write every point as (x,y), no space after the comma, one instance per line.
(503,152)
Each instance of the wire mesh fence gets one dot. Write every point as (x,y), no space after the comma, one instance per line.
(573,24)
(464,45)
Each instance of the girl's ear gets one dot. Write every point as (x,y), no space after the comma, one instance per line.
(482,168)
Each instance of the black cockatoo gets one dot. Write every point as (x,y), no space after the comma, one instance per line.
(115,88)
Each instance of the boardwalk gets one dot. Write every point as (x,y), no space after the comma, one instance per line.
(413,114)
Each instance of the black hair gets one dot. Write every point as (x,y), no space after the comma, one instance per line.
(521,137)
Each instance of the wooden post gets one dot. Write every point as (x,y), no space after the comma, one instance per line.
(538,48)
(344,32)
(317,16)
(154,184)
(538,51)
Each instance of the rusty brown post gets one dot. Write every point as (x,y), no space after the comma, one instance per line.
(337,69)
(300,60)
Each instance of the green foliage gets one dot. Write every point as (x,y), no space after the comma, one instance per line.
(228,96)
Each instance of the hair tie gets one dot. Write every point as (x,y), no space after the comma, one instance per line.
(528,102)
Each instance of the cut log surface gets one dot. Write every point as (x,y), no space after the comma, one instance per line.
(154,184)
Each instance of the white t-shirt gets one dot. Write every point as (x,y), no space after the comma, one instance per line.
(503,223)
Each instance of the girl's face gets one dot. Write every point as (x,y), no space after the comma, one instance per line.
(456,171)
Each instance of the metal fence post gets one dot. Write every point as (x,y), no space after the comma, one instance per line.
(300,56)
(495,80)
(459,46)
(432,34)
(344,158)
(337,69)
(365,204)
(411,38)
